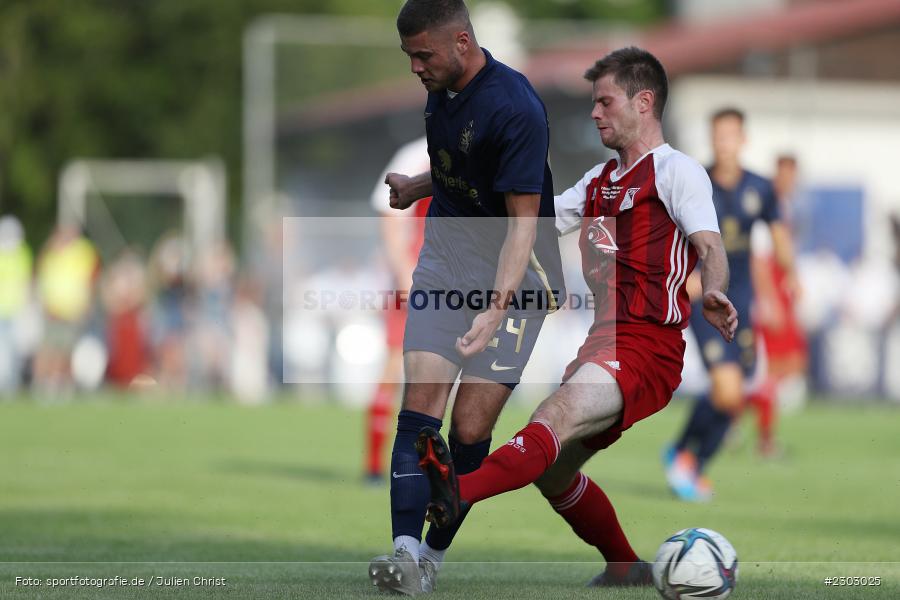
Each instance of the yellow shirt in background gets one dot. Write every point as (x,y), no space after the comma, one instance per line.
(64,279)
(15,280)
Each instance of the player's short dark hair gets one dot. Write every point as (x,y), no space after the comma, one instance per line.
(417,16)
(634,70)
(729,112)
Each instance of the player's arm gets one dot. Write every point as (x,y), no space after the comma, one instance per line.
(570,204)
(686,191)
(521,233)
(405,190)
(783,250)
(717,308)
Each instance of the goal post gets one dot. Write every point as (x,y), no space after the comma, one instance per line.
(199,185)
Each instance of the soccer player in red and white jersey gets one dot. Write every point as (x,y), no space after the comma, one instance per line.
(645,219)
(402,233)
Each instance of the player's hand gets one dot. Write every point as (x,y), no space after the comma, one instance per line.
(484,326)
(721,314)
(401,188)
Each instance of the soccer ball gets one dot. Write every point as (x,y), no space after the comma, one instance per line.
(695,563)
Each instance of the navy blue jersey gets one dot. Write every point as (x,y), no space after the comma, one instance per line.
(751,200)
(738,209)
(489,139)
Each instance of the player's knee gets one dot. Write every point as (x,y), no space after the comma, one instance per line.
(558,415)
(550,413)
(470,432)
(423,400)
(727,401)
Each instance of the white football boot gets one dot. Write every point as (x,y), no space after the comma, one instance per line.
(396,573)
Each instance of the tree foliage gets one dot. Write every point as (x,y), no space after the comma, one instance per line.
(147,79)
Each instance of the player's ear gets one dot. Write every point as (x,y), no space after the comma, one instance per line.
(645,100)
(463,41)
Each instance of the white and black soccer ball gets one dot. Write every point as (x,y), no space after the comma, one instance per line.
(695,563)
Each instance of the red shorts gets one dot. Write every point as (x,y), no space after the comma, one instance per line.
(646,361)
(790,339)
(395,325)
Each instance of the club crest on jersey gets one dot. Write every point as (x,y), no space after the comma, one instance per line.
(752,202)
(600,237)
(628,201)
(466,137)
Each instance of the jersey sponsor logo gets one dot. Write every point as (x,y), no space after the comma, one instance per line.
(496,367)
(446,161)
(628,201)
(733,238)
(600,237)
(453,183)
(466,137)
(518,443)
(610,192)
(395,475)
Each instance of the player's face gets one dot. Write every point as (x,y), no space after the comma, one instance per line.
(434,58)
(727,139)
(615,114)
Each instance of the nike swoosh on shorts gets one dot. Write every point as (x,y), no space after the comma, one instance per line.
(396,476)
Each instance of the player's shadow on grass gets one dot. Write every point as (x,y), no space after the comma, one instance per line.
(280,470)
(655,490)
(52,536)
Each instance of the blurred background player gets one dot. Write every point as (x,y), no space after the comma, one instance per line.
(741,198)
(401,236)
(778,289)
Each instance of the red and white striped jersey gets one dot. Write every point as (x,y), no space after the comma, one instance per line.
(634,226)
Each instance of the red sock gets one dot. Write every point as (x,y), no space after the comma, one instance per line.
(763,400)
(377,423)
(592,517)
(514,465)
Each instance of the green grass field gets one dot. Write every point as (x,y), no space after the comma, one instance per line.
(270,499)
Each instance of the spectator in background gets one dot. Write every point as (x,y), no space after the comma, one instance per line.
(211,328)
(123,291)
(168,315)
(15,286)
(66,270)
(247,372)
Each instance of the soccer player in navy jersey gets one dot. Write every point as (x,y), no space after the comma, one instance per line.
(741,199)
(645,218)
(488,272)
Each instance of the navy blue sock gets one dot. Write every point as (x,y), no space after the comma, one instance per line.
(697,425)
(466,458)
(718,424)
(410,491)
